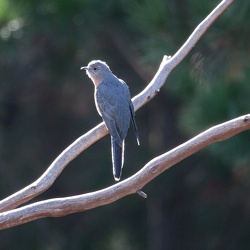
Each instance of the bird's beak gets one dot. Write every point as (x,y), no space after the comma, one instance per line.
(85,68)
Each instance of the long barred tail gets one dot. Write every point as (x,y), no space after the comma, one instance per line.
(117,158)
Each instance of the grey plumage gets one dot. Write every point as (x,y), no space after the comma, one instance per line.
(113,103)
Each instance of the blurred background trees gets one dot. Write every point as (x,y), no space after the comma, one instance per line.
(47,102)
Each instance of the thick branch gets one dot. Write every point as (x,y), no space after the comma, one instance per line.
(64,206)
(82,143)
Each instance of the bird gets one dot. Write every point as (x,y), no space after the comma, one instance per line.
(114,105)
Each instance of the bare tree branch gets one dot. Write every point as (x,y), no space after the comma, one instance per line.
(54,170)
(169,63)
(63,206)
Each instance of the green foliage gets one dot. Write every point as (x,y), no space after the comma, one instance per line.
(47,102)
(147,16)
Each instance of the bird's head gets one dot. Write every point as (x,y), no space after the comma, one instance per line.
(96,71)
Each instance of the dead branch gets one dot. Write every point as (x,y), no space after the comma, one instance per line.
(63,206)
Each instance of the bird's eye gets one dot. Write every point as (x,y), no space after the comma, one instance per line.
(95,68)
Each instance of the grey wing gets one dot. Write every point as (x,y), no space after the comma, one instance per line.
(132,111)
(123,106)
(112,106)
(111,126)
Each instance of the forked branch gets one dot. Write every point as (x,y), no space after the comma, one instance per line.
(63,206)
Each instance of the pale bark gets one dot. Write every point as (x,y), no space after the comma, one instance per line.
(59,207)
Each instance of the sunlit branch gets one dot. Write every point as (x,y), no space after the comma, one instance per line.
(151,170)
(64,206)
